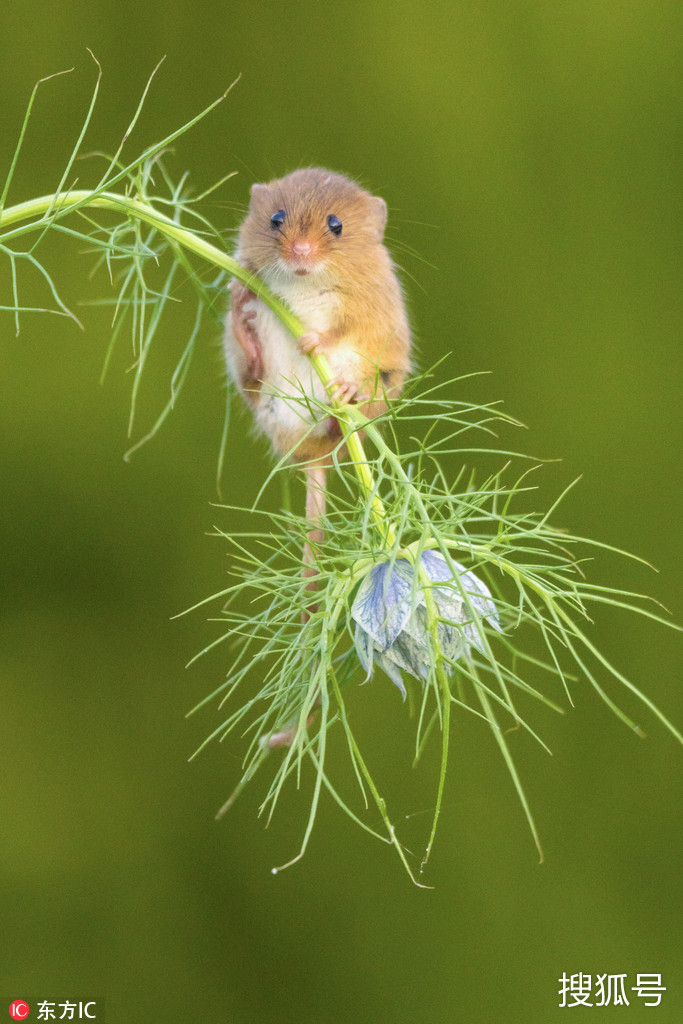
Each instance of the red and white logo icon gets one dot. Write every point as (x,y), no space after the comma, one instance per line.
(19,1010)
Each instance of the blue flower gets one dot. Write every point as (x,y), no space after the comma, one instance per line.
(391,617)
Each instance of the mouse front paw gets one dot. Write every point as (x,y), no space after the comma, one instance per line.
(345,391)
(311,344)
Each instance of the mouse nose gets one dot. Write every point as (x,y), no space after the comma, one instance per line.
(302,249)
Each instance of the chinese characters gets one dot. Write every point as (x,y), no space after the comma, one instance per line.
(609,990)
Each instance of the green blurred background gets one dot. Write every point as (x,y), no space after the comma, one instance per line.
(530,154)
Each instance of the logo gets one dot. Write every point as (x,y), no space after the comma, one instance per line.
(73,1010)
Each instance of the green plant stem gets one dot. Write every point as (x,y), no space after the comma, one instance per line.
(379,801)
(43,211)
(445,695)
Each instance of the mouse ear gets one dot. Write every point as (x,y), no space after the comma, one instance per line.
(258,192)
(379,215)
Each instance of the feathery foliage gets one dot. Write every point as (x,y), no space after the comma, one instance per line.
(401,488)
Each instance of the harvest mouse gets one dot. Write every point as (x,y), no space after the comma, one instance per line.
(316,239)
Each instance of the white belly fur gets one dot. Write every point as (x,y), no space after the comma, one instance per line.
(287,373)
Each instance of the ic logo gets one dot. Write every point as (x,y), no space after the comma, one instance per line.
(19,1010)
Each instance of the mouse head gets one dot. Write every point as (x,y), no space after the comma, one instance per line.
(311,222)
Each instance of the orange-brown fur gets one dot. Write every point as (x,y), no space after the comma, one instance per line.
(343,287)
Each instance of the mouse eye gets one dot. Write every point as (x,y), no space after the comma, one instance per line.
(334,224)
(277,220)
